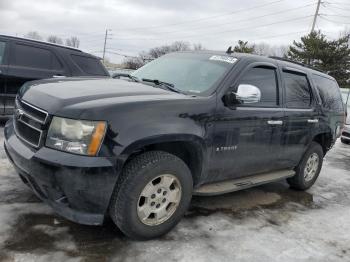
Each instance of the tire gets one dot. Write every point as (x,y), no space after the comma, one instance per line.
(345,141)
(303,179)
(139,176)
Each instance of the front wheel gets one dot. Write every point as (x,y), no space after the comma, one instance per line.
(152,195)
(345,141)
(308,169)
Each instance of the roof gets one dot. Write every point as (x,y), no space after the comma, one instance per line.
(40,42)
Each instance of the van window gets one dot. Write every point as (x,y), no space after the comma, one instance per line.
(298,92)
(89,65)
(2,51)
(329,92)
(35,57)
(265,80)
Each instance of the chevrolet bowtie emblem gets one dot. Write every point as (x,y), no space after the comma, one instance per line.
(18,113)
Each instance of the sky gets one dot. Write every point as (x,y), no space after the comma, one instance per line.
(138,25)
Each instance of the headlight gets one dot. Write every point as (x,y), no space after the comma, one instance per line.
(76,136)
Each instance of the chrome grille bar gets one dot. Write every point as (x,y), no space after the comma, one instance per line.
(28,124)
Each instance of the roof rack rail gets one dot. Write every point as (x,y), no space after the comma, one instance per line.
(297,63)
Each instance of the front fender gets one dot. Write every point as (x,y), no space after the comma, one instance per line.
(195,140)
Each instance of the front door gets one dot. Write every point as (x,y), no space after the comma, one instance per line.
(248,137)
(3,73)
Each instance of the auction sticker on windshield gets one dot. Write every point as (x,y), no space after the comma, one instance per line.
(227,59)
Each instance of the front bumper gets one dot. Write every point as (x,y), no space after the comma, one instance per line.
(76,187)
(346,133)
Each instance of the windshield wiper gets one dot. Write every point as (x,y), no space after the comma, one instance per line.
(119,75)
(168,86)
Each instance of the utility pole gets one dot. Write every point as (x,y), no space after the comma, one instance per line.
(104,46)
(316,15)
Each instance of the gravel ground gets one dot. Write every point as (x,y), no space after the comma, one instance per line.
(267,223)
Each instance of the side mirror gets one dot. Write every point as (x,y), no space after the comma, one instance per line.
(246,94)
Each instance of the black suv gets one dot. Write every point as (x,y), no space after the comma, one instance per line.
(136,149)
(22,60)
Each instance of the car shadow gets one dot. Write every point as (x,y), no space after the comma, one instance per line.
(42,233)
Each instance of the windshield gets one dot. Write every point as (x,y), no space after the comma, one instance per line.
(193,73)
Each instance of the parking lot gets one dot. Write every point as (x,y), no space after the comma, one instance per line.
(268,223)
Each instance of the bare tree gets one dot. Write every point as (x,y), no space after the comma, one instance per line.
(33,35)
(268,50)
(73,42)
(55,39)
(133,62)
(153,53)
(174,47)
(198,47)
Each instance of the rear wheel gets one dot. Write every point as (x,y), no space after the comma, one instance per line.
(152,195)
(308,169)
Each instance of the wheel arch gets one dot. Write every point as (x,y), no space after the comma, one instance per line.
(325,140)
(189,148)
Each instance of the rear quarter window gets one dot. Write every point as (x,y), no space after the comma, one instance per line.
(329,92)
(89,65)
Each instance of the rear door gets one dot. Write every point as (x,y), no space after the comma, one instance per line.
(301,114)
(4,47)
(29,61)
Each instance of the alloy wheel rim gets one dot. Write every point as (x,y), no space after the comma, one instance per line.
(311,167)
(159,200)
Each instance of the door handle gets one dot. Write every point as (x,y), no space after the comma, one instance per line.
(312,120)
(275,122)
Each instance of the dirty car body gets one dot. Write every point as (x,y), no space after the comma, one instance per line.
(218,141)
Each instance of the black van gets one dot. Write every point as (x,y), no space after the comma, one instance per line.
(22,60)
(188,123)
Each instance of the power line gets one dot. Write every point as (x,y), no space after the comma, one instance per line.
(236,21)
(336,22)
(346,16)
(279,35)
(340,8)
(337,3)
(226,31)
(112,52)
(334,11)
(208,17)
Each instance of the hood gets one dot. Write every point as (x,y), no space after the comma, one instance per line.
(55,95)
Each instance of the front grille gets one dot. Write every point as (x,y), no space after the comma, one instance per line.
(29,122)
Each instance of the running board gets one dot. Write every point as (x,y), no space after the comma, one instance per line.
(242,183)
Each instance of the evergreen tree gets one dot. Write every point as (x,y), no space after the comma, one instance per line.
(243,47)
(329,56)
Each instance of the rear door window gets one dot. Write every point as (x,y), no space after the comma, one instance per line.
(329,92)
(297,90)
(2,52)
(34,57)
(89,65)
